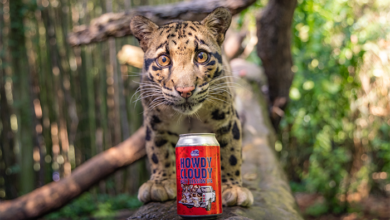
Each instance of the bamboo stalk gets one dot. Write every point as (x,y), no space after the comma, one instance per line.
(7,134)
(22,93)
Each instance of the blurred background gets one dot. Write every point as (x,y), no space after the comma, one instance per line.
(61,105)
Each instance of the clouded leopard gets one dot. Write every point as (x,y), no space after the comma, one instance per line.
(186,88)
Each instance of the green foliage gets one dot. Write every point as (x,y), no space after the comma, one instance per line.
(381,145)
(320,123)
(90,205)
(317,209)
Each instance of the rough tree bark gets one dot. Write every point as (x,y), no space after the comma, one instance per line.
(117,24)
(274,49)
(57,194)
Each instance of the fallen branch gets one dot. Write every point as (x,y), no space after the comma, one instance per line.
(131,55)
(117,24)
(57,194)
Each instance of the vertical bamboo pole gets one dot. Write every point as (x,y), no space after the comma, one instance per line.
(6,133)
(47,113)
(69,118)
(30,36)
(22,94)
(114,91)
(102,100)
(88,72)
(65,16)
(56,94)
(138,170)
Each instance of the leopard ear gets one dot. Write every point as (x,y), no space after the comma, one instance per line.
(142,29)
(218,22)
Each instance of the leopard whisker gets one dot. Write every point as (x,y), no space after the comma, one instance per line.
(143,97)
(155,106)
(222,87)
(154,100)
(226,95)
(219,91)
(212,97)
(227,83)
(179,119)
(151,90)
(197,115)
(149,85)
(225,86)
(223,77)
(144,92)
(158,99)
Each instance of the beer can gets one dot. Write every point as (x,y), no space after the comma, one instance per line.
(198,176)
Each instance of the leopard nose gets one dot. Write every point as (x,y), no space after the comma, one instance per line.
(185,92)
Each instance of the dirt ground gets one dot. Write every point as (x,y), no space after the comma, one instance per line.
(370,208)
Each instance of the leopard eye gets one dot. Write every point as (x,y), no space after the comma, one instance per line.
(201,57)
(163,60)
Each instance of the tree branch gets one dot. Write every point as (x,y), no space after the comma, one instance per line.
(57,194)
(118,24)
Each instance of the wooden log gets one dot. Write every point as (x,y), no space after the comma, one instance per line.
(57,194)
(248,70)
(262,173)
(118,24)
(232,45)
(131,55)
(274,50)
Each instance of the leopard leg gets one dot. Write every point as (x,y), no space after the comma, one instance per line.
(161,155)
(229,137)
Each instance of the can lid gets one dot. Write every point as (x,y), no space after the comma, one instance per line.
(197,134)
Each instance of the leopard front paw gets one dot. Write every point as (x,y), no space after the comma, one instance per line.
(157,190)
(236,195)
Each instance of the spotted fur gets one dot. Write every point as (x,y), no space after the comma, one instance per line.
(210,108)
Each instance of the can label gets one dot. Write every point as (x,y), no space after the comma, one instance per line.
(198,176)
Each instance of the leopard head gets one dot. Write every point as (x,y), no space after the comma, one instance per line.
(182,58)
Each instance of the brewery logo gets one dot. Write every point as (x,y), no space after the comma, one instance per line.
(195,153)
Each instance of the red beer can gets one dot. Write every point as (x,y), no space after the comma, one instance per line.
(198,176)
